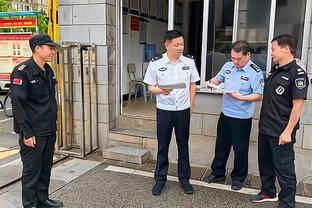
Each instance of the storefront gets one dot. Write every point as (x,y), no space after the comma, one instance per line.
(121,29)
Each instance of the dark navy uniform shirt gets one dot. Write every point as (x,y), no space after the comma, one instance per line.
(282,86)
(33,99)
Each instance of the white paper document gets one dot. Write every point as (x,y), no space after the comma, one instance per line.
(171,86)
(214,86)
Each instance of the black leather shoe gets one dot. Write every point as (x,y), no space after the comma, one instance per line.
(236,185)
(187,187)
(51,203)
(158,188)
(214,179)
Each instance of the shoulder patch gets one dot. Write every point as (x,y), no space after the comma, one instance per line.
(156,58)
(300,83)
(21,67)
(255,67)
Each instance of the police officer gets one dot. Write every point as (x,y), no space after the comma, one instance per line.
(243,85)
(285,90)
(174,107)
(34,111)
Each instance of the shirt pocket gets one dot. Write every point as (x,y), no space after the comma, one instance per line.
(245,83)
(162,74)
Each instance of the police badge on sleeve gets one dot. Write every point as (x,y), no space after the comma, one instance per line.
(300,83)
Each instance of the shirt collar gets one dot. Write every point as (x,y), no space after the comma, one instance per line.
(245,67)
(166,59)
(36,69)
(287,66)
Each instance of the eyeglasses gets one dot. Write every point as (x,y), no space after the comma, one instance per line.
(236,59)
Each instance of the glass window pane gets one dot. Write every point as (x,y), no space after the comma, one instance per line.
(253,26)
(220,30)
(289,19)
(189,20)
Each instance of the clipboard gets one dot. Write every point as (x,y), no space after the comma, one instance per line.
(179,85)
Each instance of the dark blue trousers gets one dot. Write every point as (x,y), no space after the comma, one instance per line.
(232,132)
(166,121)
(277,161)
(37,164)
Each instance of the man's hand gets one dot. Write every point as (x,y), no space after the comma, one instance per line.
(31,142)
(235,95)
(164,91)
(284,138)
(191,110)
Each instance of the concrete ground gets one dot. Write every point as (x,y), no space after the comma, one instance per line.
(109,187)
(96,182)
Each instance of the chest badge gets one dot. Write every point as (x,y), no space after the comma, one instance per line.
(185,68)
(280,90)
(244,78)
(34,81)
(162,69)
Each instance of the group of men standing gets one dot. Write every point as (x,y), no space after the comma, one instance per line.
(282,92)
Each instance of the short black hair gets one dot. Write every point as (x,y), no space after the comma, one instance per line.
(241,46)
(286,40)
(172,34)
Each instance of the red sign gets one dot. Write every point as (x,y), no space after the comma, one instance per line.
(135,23)
(17,23)
(8,36)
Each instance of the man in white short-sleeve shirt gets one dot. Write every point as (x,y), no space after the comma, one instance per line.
(172,77)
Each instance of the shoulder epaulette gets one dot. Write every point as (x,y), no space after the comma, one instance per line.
(189,56)
(255,67)
(156,58)
(21,67)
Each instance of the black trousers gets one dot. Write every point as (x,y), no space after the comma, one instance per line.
(277,161)
(232,132)
(166,121)
(37,164)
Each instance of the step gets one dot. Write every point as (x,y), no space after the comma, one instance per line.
(132,138)
(133,132)
(137,123)
(126,153)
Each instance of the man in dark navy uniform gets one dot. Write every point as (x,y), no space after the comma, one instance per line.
(35,112)
(285,90)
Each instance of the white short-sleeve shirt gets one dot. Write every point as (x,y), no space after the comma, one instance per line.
(162,71)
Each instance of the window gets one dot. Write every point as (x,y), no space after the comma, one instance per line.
(254,29)
(220,31)
(289,19)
